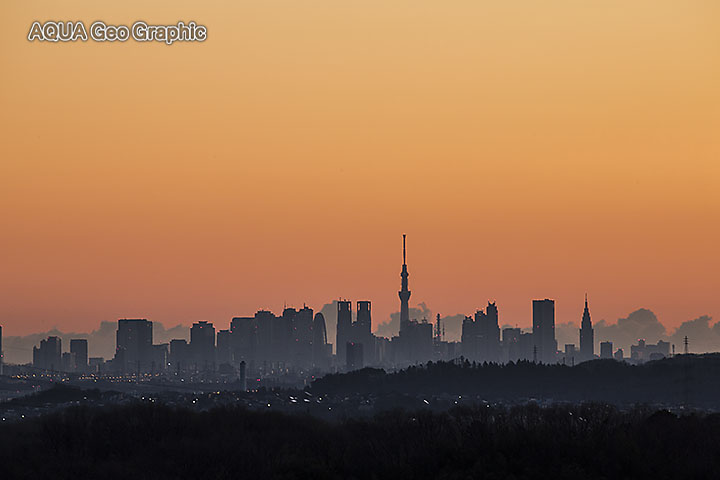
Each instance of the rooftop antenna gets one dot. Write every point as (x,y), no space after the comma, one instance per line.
(685,342)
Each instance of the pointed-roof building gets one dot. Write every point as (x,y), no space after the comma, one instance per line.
(587,335)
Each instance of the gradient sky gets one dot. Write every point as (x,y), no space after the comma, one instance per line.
(528,149)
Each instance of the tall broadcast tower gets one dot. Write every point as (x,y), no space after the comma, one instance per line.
(404,294)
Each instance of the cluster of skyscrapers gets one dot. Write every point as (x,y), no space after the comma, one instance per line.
(297,340)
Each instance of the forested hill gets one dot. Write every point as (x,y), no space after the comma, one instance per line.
(683,379)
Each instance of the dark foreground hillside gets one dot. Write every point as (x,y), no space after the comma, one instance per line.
(153,441)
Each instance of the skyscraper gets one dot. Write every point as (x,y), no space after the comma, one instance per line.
(362,331)
(364,320)
(481,335)
(223,351)
(606,350)
(319,345)
(48,356)
(344,329)
(404,293)
(79,347)
(587,336)
(544,342)
(303,337)
(202,345)
(179,355)
(133,351)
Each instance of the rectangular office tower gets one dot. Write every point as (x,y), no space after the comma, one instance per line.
(606,350)
(133,352)
(544,343)
(79,348)
(344,329)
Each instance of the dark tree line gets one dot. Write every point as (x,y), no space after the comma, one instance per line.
(685,379)
(591,441)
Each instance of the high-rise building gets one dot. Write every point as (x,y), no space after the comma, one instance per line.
(224,347)
(68,362)
(321,356)
(264,324)
(404,293)
(587,336)
(511,344)
(606,350)
(570,354)
(481,335)
(79,347)
(133,351)
(160,358)
(48,356)
(179,357)
(344,329)
(544,343)
(202,345)
(244,338)
(362,331)
(364,320)
(302,337)
(2,358)
(354,356)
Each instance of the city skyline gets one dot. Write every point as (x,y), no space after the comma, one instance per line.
(266,337)
(529,152)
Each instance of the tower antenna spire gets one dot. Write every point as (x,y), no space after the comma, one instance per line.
(404,262)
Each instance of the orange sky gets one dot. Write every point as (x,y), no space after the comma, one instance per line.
(528,149)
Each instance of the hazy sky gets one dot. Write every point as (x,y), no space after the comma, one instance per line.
(528,149)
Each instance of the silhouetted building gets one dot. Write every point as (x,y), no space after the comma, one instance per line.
(1,352)
(96,364)
(344,329)
(322,352)
(404,293)
(244,338)
(481,336)
(570,354)
(362,332)
(296,340)
(302,328)
(67,362)
(606,350)
(48,356)
(265,322)
(202,345)
(79,348)
(544,343)
(224,347)
(179,357)
(527,346)
(133,352)
(587,336)
(619,354)
(160,358)
(354,356)
(643,352)
(511,344)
